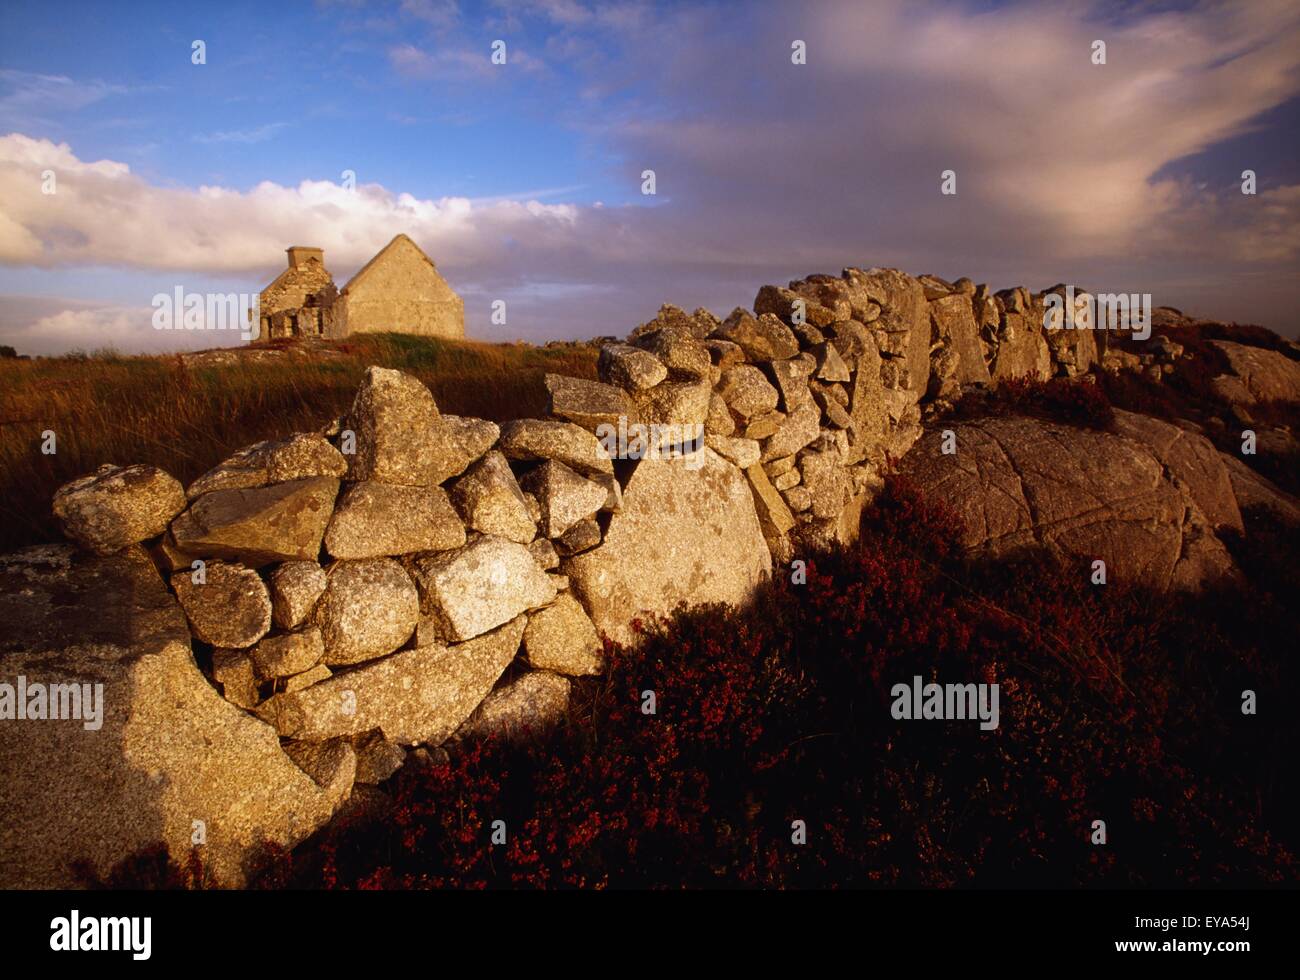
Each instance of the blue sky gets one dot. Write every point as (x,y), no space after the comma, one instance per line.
(522,180)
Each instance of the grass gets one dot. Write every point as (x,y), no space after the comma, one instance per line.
(186,418)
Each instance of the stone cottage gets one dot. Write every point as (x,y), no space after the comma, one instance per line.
(400,289)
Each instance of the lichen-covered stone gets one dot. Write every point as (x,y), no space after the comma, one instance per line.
(228,605)
(589,404)
(168,750)
(679,351)
(377,758)
(688,533)
(414,697)
(774,517)
(369,609)
(478,587)
(457,442)
(302,455)
(523,708)
(630,367)
(583,535)
(295,586)
(565,497)
(392,418)
(234,671)
(324,762)
(799,429)
(747,391)
(267,524)
(489,499)
(763,339)
(374,519)
(564,442)
(117,506)
(544,554)
(563,638)
(743,453)
(288,653)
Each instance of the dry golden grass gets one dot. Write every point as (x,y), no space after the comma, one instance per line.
(186,419)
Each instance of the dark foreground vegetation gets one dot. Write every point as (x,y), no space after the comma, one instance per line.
(1115,705)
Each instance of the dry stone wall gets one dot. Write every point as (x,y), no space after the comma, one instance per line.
(402,579)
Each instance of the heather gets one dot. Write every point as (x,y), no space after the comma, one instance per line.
(1113,708)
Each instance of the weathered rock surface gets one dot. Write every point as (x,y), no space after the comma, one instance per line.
(295,586)
(277,523)
(377,758)
(564,442)
(683,405)
(687,533)
(630,367)
(773,514)
(228,607)
(799,429)
(581,536)
(302,455)
(170,750)
(393,417)
(476,588)
(288,653)
(488,497)
(1256,374)
(563,638)
(1190,459)
(370,608)
(747,392)
(953,320)
(565,497)
(455,443)
(324,762)
(762,338)
(589,404)
(679,350)
(524,707)
(374,519)
(742,453)
(1020,482)
(117,506)
(414,697)
(234,671)
(1253,490)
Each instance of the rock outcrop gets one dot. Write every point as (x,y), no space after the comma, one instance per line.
(1020,482)
(168,759)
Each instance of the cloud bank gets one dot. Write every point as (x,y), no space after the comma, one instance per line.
(768,170)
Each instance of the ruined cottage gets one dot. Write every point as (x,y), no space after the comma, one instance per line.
(400,289)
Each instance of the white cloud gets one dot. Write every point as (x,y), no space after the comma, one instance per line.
(29,98)
(768,170)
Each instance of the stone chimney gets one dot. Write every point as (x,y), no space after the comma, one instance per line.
(299,254)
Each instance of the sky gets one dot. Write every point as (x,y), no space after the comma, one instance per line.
(341,123)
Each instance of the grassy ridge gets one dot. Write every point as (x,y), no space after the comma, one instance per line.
(187,417)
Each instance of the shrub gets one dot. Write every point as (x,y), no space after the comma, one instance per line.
(1113,708)
(1064,400)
